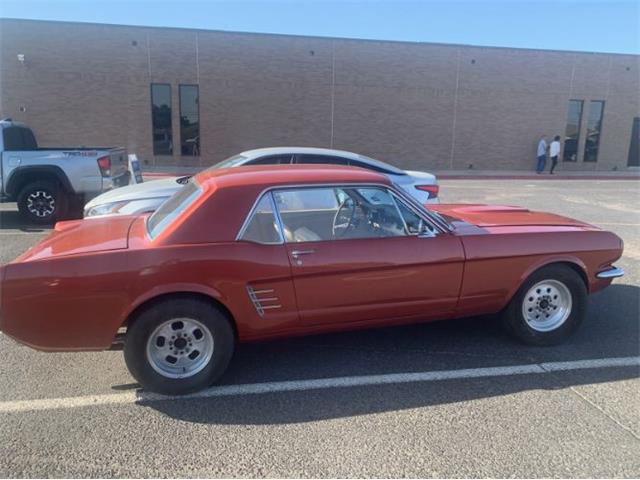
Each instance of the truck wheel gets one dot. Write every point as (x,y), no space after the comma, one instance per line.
(179,346)
(42,202)
(548,307)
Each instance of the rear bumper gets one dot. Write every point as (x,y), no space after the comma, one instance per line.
(613,272)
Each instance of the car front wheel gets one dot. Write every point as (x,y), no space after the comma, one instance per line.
(42,202)
(178,346)
(548,307)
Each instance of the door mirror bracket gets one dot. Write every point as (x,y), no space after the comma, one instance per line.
(427,231)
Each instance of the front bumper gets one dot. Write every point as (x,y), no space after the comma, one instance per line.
(613,272)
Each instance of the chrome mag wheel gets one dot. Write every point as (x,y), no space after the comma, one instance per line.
(547,305)
(179,348)
(41,203)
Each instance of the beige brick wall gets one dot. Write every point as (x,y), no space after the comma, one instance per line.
(419,106)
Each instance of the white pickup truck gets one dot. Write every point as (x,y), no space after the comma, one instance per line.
(48,182)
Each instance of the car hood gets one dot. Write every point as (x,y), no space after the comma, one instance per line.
(154,189)
(82,236)
(503,216)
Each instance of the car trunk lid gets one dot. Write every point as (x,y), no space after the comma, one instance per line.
(82,236)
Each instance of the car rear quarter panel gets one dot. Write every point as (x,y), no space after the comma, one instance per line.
(220,271)
(66,303)
(500,259)
(79,302)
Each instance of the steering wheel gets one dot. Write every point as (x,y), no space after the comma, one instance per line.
(344,218)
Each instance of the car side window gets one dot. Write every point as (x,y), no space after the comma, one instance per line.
(271,160)
(13,139)
(305,158)
(262,226)
(368,166)
(307,199)
(323,214)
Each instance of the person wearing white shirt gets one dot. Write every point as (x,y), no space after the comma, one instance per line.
(554,151)
(542,154)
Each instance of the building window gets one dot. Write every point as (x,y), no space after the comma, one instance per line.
(161,119)
(572,132)
(594,128)
(633,160)
(189,120)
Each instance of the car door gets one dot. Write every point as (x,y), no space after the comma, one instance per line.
(376,270)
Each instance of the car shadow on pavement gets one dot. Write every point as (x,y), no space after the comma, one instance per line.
(11,220)
(611,329)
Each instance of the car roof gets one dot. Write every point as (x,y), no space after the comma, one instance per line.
(261,152)
(268,176)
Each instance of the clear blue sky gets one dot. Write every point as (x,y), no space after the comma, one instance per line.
(599,26)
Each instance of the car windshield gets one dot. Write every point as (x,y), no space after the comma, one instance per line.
(172,208)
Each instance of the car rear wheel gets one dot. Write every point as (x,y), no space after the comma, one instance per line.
(178,346)
(548,307)
(42,202)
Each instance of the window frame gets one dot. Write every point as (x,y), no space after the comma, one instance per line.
(249,218)
(437,226)
(600,123)
(578,130)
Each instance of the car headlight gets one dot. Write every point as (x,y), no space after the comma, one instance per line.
(104,209)
(125,207)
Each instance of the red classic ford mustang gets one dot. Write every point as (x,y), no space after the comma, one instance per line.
(261,252)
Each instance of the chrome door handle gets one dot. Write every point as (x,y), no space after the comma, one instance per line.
(297,253)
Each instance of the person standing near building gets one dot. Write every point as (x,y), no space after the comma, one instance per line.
(554,151)
(542,154)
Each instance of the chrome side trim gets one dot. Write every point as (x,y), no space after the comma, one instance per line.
(613,272)
(276,213)
(259,302)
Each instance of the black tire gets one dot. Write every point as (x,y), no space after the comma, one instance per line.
(42,202)
(142,327)
(513,317)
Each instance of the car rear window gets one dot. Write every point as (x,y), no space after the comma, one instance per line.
(172,208)
(18,139)
(376,166)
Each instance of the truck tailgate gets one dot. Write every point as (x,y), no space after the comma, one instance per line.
(119,162)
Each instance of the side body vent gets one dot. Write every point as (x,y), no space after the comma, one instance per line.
(264,299)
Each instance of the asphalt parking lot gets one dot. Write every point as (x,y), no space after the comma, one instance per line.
(449,399)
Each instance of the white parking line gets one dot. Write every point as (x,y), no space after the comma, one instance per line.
(316,384)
